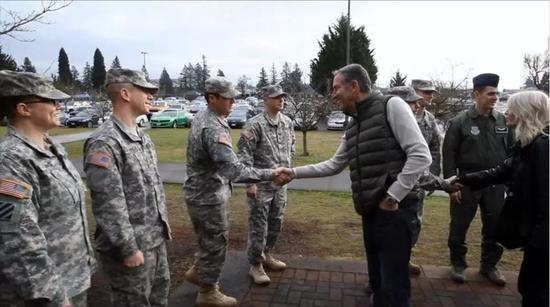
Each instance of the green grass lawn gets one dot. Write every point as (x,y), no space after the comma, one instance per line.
(171,145)
(324,224)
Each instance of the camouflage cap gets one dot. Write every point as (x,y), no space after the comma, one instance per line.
(407,93)
(273,91)
(28,84)
(135,77)
(221,86)
(423,85)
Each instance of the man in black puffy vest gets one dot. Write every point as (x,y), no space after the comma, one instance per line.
(386,154)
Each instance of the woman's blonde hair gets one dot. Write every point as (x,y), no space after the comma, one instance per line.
(531,111)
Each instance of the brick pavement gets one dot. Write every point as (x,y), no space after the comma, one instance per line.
(320,282)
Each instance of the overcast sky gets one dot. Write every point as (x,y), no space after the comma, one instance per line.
(432,40)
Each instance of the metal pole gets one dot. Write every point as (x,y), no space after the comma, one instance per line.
(348,35)
(144,54)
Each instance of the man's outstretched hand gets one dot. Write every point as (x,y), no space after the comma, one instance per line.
(282,176)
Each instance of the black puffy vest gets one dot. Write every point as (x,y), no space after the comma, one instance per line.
(375,157)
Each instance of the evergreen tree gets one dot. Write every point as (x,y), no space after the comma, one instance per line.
(27,66)
(220,73)
(273,75)
(6,61)
(186,81)
(198,78)
(295,84)
(64,70)
(262,80)
(116,63)
(77,83)
(166,86)
(397,80)
(98,71)
(87,82)
(332,54)
(205,71)
(285,73)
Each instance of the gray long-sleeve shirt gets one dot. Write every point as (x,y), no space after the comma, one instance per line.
(408,135)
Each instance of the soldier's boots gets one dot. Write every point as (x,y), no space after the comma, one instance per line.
(258,274)
(192,276)
(494,276)
(414,269)
(272,263)
(457,274)
(210,296)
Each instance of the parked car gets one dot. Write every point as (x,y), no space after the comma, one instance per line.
(337,121)
(238,118)
(86,118)
(170,118)
(158,105)
(259,109)
(62,116)
(142,120)
(196,107)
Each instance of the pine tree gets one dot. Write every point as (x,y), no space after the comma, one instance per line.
(332,54)
(27,66)
(262,80)
(87,82)
(6,61)
(398,80)
(220,73)
(295,84)
(166,86)
(285,77)
(64,70)
(98,71)
(77,83)
(116,63)
(273,75)
(198,78)
(205,71)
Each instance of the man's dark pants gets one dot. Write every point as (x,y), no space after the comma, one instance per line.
(388,237)
(490,202)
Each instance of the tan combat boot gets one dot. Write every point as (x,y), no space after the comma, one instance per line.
(192,276)
(210,296)
(258,274)
(272,263)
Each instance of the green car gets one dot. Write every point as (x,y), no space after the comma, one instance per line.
(172,118)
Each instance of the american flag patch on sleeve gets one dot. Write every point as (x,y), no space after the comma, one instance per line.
(14,188)
(225,140)
(100,159)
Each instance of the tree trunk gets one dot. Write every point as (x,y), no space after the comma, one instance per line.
(304,143)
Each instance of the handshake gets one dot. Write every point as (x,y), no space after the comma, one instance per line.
(282,175)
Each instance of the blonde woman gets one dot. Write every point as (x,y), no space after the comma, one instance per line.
(526,172)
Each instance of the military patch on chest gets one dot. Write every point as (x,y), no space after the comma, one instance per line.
(225,140)
(6,211)
(474,130)
(100,159)
(14,188)
(501,130)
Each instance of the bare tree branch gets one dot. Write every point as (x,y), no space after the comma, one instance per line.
(18,23)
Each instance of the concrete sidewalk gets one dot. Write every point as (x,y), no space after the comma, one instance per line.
(321,282)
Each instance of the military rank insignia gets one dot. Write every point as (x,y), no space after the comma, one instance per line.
(14,188)
(100,159)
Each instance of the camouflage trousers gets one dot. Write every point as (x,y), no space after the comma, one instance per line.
(265,221)
(8,299)
(146,285)
(211,227)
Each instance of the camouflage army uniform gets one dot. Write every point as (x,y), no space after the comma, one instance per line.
(130,210)
(45,249)
(266,143)
(211,168)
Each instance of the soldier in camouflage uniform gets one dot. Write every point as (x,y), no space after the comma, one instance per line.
(432,135)
(266,141)
(212,166)
(46,258)
(128,198)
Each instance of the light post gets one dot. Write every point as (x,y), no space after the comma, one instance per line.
(144,54)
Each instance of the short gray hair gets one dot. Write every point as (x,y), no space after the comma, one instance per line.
(358,73)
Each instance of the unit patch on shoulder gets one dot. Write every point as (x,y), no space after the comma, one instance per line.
(247,134)
(14,188)
(225,140)
(100,159)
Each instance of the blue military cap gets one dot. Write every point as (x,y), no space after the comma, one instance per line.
(486,80)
